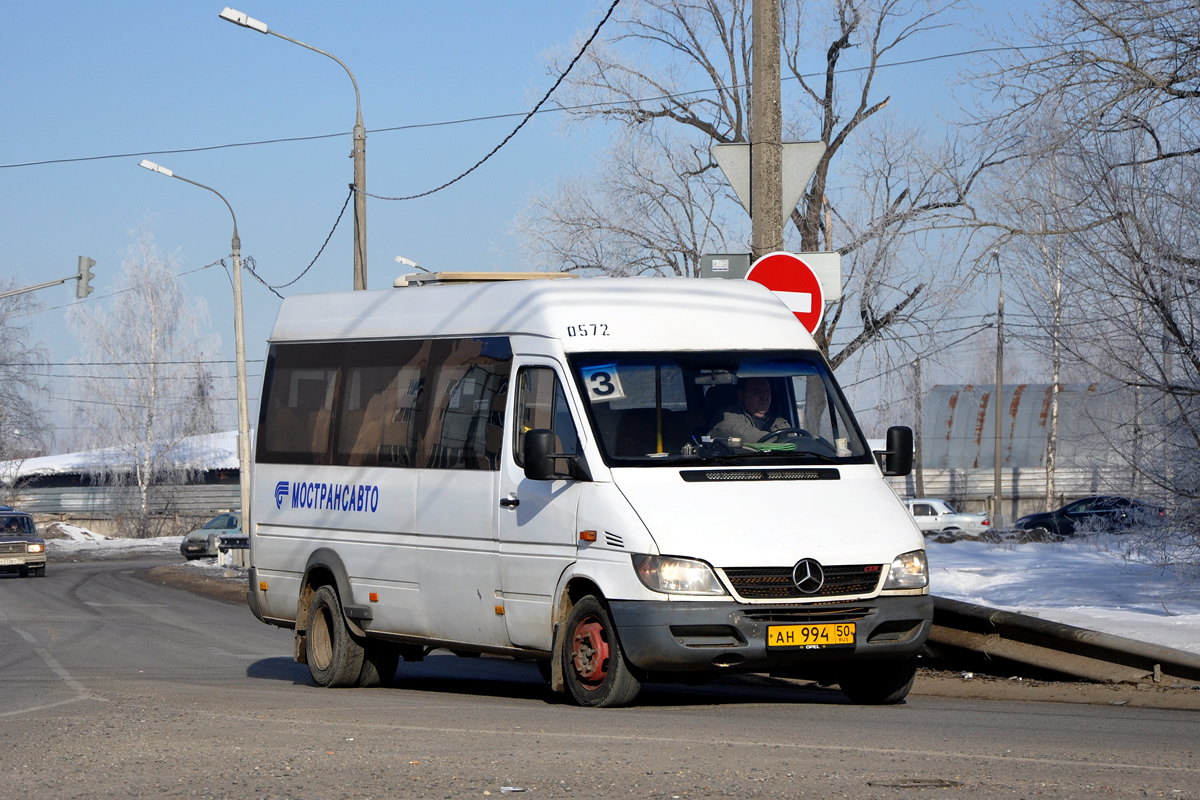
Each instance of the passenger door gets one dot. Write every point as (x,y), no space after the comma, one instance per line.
(536,519)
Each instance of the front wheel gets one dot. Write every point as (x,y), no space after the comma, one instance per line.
(334,657)
(594,667)
(878,683)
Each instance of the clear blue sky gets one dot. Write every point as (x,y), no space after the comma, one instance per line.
(138,77)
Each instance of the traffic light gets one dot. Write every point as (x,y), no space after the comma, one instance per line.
(83,287)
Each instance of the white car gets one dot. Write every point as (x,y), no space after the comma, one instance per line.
(935,516)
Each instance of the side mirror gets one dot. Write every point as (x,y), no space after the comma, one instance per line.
(540,458)
(539,455)
(898,458)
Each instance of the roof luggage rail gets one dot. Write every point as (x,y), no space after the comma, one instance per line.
(451,278)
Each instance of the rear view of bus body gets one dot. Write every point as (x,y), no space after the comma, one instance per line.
(540,469)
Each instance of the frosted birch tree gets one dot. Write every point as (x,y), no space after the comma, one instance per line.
(24,432)
(146,381)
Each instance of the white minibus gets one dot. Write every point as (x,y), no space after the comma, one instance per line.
(622,479)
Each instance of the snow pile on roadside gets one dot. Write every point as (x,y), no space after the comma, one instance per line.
(85,541)
(64,530)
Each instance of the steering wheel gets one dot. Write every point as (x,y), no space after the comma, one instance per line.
(782,432)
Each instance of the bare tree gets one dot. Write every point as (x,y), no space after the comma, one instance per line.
(655,209)
(151,388)
(674,77)
(24,432)
(1121,81)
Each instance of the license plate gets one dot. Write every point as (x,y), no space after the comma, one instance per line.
(12,560)
(811,637)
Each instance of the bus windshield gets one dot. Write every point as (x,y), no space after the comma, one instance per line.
(760,407)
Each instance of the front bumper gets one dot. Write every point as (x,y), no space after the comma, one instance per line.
(18,562)
(702,636)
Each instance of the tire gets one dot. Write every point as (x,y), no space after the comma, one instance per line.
(334,657)
(594,666)
(379,664)
(879,683)
(38,572)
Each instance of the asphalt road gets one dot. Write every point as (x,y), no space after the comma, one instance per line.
(114,685)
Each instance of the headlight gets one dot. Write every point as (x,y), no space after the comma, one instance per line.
(676,575)
(909,571)
(33,547)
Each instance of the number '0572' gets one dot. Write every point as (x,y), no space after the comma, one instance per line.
(588,329)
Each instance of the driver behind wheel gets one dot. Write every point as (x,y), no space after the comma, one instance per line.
(751,418)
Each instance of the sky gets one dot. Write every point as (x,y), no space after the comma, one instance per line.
(1084,582)
(90,89)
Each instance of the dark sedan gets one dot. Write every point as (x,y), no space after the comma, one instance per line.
(21,549)
(1093,514)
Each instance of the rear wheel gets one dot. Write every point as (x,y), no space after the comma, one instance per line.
(878,683)
(334,657)
(594,667)
(379,664)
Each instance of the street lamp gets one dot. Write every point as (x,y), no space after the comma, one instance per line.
(240,346)
(358,153)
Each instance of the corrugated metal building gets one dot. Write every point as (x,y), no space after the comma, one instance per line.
(1096,426)
(63,487)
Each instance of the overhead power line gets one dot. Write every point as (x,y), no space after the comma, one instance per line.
(509,115)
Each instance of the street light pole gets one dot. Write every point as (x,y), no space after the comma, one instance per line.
(239,345)
(358,153)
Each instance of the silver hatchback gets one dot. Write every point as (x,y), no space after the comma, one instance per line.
(203,542)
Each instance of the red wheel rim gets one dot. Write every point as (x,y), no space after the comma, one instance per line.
(589,653)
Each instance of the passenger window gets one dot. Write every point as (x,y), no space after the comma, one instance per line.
(382,405)
(401,403)
(542,404)
(298,406)
(469,385)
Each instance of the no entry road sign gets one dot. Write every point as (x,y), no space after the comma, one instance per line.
(795,283)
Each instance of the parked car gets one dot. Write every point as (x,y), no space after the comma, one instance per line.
(933,516)
(203,542)
(21,549)
(1093,514)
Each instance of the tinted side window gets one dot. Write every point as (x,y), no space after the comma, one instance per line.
(468,390)
(297,405)
(413,403)
(382,403)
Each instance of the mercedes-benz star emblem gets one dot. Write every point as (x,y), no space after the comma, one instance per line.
(808,576)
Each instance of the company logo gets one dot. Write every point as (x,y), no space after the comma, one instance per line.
(281,491)
(327,496)
(808,576)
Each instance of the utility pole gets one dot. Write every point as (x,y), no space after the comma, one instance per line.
(766,131)
(998,505)
(919,472)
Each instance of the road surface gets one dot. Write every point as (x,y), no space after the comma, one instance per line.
(117,685)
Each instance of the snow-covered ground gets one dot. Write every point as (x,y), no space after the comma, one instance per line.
(1086,583)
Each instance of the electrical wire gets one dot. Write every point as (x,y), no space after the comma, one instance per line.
(526,119)
(511,115)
